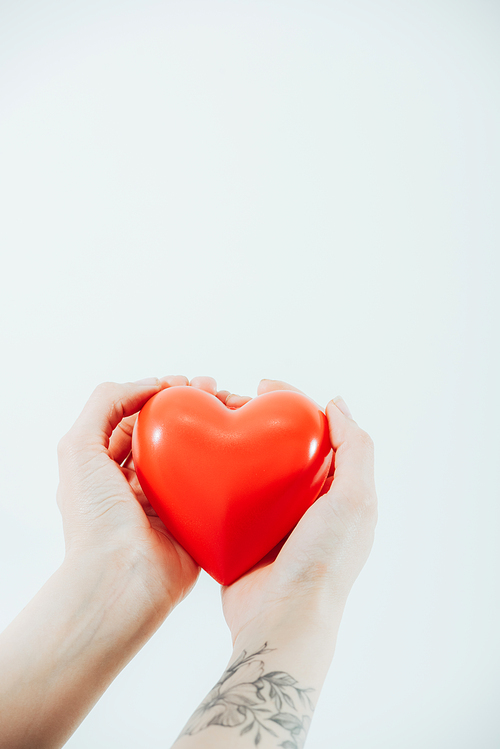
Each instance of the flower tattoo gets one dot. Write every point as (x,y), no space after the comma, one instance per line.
(256,702)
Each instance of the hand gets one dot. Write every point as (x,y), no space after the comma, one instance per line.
(284,614)
(122,574)
(318,563)
(105,513)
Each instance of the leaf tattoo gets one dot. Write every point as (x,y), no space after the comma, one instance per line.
(256,702)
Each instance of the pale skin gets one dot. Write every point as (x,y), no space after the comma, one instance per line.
(123,573)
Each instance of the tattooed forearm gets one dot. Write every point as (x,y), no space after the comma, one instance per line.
(255,702)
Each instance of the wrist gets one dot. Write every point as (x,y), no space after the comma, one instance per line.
(114,588)
(270,688)
(65,648)
(302,635)
(294,618)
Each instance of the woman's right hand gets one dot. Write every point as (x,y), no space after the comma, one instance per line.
(107,519)
(122,574)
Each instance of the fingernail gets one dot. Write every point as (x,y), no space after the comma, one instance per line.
(147,381)
(342,406)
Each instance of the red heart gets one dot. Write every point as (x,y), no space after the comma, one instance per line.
(230,484)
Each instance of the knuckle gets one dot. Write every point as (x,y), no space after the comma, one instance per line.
(72,445)
(66,445)
(366,440)
(127,427)
(370,513)
(371,501)
(63,446)
(106,389)
(363,496)
(364,507)
(109,397)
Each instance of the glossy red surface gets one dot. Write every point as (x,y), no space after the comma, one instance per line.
(230,484)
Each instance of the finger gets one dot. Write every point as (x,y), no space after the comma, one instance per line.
(231,400)
(173,380)
(331,470)
(267,386)
(326,486)
(107,406)
(132,479)
(205,383)
(354,457)
(342,405)
(234,401)
(129,461)
(120,443)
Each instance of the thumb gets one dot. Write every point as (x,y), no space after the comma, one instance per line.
(107,406)
(354,455)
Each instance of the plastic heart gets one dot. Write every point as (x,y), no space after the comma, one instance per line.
(230,484)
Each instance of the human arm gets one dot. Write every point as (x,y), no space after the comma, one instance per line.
(121,576)
(284,614)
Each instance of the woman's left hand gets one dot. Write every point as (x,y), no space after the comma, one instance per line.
(314,569)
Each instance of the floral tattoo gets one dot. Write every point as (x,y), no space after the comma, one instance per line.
(256,702)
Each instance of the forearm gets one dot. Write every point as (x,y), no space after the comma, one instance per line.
(268,693)
(63,650)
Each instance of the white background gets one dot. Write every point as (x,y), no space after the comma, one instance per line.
(298,190)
